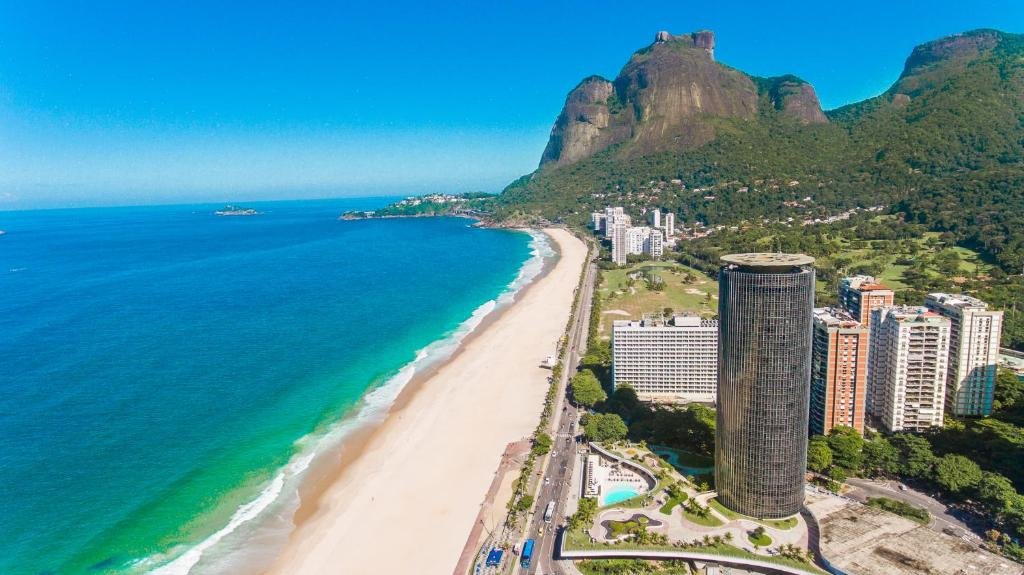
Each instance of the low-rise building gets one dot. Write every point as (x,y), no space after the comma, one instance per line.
(667,361)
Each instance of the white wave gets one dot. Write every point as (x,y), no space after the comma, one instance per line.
(374,408)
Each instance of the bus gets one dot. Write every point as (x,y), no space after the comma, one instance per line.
(527,556)
(549,511)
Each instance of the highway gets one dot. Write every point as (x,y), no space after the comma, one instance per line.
(558,468)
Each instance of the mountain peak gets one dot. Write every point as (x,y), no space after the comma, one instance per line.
(967,44)
(666,98)
(703,39)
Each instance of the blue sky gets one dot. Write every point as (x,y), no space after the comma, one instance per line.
(155,102)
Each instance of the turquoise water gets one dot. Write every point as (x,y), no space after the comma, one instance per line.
(672,457)
(160,366)
(618,494)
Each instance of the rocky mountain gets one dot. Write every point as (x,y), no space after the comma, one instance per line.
(677,130)
(666,98)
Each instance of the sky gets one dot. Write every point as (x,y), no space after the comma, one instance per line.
(108,103)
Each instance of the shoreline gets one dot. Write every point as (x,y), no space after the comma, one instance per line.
(309,473)
(326,470)
(342,488)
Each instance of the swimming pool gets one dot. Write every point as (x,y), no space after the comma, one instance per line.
(618,493)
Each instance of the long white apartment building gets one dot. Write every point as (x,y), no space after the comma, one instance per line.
(973,352)
(644,240)
(674,361)
(909,349)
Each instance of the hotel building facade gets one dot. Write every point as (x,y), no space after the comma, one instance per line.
(765,314)
(908,358)
(839,364)
(673,361)
(975,332)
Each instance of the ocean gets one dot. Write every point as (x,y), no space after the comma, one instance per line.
(166,374)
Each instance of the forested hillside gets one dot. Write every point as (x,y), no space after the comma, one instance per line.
(944,147)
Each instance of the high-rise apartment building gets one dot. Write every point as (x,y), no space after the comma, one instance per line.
(654,216)
(644,240)
(670,224)
(908,357)
(975,332)
(858,295)
(765,312)
(674,361)
(613,216)
(839,364)
(655,244)
(620,241)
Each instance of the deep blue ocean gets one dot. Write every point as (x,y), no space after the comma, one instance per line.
(159,366)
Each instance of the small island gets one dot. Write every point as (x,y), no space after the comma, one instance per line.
(230,210)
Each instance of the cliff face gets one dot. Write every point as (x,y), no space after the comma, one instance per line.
(665,98)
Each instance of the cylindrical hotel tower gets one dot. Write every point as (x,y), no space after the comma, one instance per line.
(765,314)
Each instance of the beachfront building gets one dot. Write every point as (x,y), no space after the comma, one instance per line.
(975,332)
(839,363)
(674,361)
(908,358)
(765,312)
(859,295)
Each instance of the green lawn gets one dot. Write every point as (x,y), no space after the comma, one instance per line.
(912,512)
(788,523)
(761,541)
(635,300)
(709,521)
(671,503)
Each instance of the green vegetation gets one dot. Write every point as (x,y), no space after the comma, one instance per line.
(905,255)
(584,515)
(715,545)
(432,205)
(542,444)
(604,427)
(676,496)
(900,508)
(586,389)
(700,514)
(524,504)
(679,289)
(759,538)
(974,460)
(787,523)
(632,567)
(940,152)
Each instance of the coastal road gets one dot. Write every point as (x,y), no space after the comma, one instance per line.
(558,469)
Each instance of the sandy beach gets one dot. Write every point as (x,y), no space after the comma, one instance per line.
(407,500)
